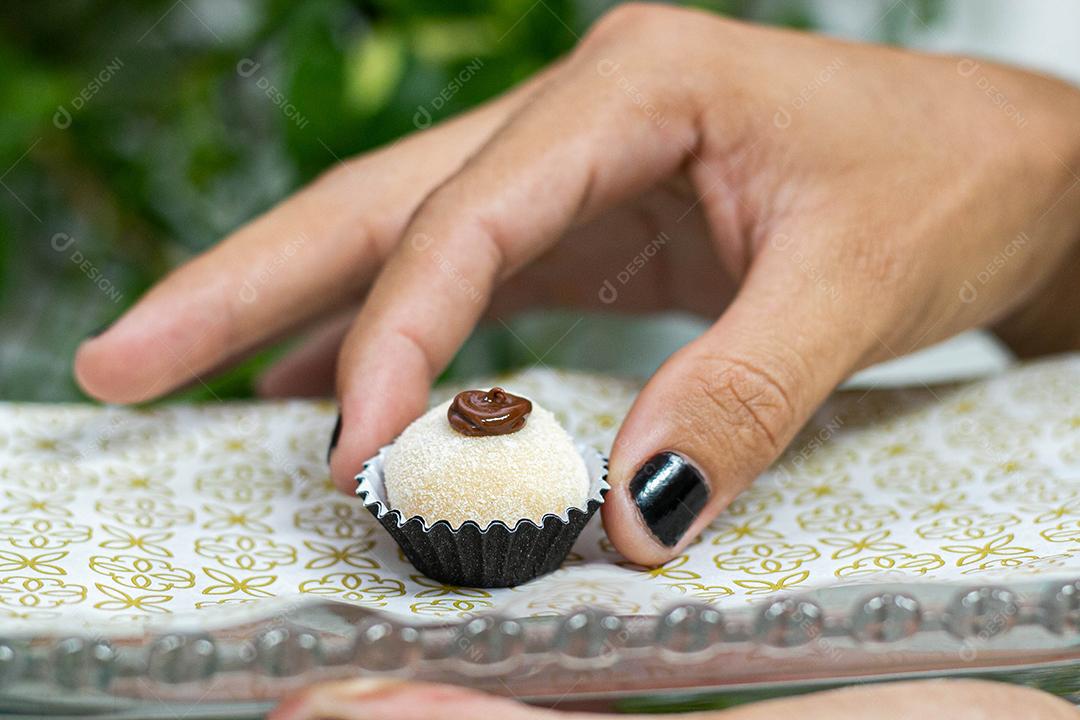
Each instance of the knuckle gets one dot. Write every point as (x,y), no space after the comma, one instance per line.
(627,19)
(627,45)
(488,233)
(745,404)
(495,241)
(372,234)
(639,21)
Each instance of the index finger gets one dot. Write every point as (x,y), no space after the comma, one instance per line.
(580,145)
(313,254)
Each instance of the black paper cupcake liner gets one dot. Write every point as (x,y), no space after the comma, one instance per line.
(495,556)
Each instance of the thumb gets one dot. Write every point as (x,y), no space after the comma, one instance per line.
(720,410)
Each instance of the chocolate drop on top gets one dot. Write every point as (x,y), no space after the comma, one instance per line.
(491,412)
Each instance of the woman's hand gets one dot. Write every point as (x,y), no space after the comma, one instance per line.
(958,699)
(833,204)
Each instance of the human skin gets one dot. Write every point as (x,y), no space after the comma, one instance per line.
(958,699)
(826,223)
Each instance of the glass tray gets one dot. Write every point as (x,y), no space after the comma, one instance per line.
(1026,632)
(186,560)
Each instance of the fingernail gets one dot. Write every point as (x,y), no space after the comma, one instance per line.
(334,438)
(363,687)
(669,493)
(97,331)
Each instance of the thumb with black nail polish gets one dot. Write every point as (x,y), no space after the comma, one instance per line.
(713,418)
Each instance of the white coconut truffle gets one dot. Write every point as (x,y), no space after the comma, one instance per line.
(435,472)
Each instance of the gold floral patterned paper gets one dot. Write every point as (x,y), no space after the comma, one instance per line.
(111,515)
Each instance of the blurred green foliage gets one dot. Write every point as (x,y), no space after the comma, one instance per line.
(133,135)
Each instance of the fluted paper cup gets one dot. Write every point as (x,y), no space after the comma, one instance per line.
(497,555)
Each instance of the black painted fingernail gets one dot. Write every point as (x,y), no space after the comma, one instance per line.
(334,438)
(669,493)
(97,331)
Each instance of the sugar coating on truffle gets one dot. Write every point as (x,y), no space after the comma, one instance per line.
(439,474)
